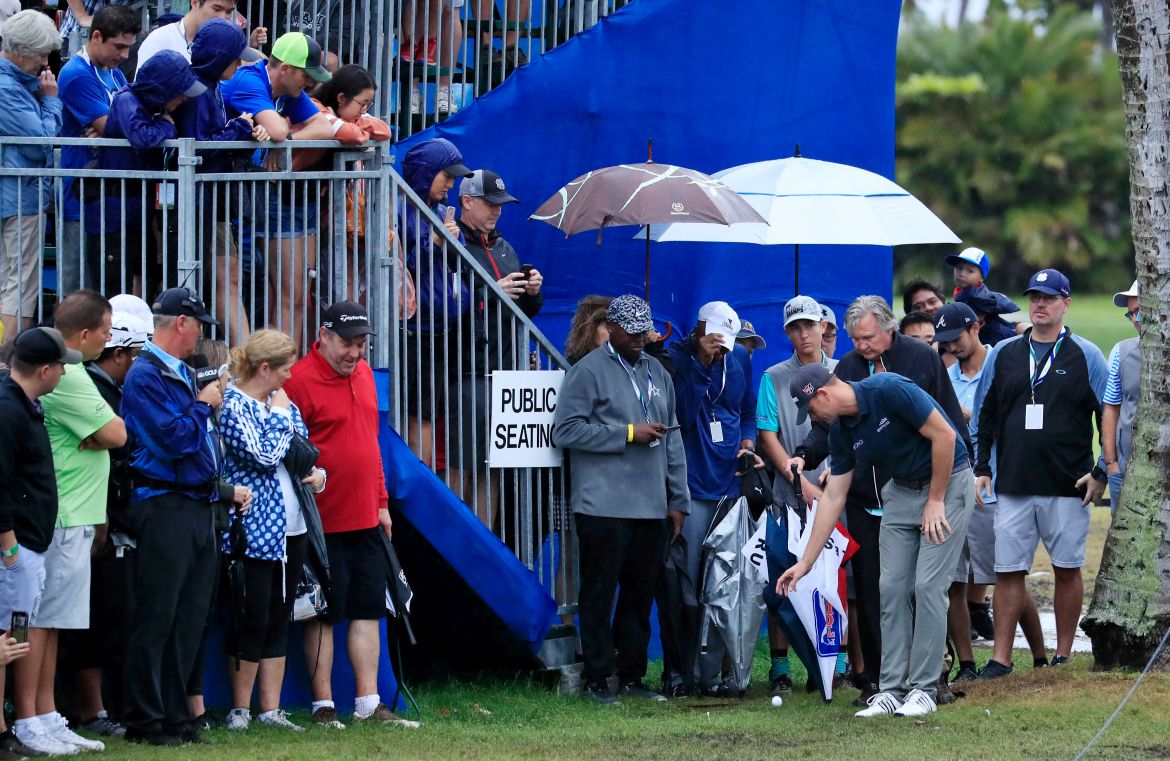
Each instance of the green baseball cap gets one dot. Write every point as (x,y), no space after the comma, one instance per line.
(301,51)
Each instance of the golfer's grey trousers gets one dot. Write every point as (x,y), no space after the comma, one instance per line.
(915,577)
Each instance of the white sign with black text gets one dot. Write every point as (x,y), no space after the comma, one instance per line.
(523,404)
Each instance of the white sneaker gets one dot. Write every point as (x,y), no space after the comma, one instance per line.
(37,738)
(238,719)
(881,704)
(917,703)
(61,732)
(445,103)
(280,719)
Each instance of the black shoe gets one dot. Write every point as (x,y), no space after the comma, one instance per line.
(726,690)
(160,739)
(981,622)
(994,670)
(639,690)
(1059,659)
(599,692)
(192,737)
(11,745)
(208,721)
(781,685)
(867,692)
(677,691)
(966,674)
(1041,663)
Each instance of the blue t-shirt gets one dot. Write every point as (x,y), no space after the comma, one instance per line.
(890,410)
(86,92)
(249,91)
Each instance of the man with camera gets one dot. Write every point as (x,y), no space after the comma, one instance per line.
(488,335)
(717,419)
(175,465)
(28,498)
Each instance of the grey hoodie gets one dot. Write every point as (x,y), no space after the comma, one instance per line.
(612,478)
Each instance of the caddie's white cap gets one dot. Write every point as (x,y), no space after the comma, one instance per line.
(127,331)
(722,319)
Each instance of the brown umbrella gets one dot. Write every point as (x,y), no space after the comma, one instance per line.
(643,194)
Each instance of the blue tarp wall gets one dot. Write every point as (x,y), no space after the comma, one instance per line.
(715,84)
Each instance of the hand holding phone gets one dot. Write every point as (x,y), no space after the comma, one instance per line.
(19,628)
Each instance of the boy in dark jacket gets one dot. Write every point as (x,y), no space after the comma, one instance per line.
(141,114)
(217,51)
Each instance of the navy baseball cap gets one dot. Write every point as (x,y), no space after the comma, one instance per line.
(952,320)
(182,302)
(1051,282)
(804,385)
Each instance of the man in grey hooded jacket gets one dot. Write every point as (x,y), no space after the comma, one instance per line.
(616,413)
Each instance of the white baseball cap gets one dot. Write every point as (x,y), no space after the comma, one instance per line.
(722,319)
(1121,298)
(127,331)
(802,308)
(131,304)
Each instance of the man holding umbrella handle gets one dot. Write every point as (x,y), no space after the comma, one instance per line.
(888,422)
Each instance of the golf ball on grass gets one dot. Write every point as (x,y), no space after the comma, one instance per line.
(777,701)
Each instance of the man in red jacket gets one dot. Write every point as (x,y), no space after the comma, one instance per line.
(333,387)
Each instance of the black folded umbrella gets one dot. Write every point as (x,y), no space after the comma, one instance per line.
(300,459)
(679,614)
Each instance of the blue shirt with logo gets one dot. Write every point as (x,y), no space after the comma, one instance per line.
(86,91)
(884,433)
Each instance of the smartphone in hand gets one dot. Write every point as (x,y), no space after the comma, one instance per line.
(19,628)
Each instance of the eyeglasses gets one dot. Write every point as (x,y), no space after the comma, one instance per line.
(1134,314)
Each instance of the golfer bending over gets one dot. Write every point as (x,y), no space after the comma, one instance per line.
(888,422)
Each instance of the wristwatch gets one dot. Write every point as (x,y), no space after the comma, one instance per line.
(1099,474)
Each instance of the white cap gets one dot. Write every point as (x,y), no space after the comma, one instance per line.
(1121,298)
(127,331)
(828,315)
(722,319)
(802,308)
(130,304)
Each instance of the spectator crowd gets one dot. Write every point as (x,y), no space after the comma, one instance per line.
(157,481)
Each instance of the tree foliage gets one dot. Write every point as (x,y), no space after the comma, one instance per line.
(1012,130)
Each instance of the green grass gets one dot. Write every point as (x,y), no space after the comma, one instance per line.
(1033,715)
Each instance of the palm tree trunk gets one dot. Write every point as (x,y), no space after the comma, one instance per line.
(1131,602)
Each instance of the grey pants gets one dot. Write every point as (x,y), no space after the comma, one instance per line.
(915,577)
(708,665)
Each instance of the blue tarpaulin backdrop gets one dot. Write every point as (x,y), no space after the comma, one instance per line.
(715,84)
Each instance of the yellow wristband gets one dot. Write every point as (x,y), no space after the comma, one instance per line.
(630,434)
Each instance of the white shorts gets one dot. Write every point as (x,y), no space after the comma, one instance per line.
(21,586)
(1021,521)
(65,603)
(977,561)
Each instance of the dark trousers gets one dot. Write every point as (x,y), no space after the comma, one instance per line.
(866,529)
(613,552)
(117,590)
(173,584)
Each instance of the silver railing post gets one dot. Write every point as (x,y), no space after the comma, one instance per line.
(189,256)
(384,274)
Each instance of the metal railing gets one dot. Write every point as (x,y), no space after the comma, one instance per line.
(269,246)
(429,57)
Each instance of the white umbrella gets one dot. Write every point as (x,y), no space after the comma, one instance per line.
(816,202)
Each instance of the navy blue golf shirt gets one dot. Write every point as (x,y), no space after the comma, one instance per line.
(890,410)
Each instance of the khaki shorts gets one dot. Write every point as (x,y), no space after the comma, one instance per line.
(65,603)
(20,265)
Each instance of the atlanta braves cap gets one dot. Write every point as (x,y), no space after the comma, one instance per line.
(952,320)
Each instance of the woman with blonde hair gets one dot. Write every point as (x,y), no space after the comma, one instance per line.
(257,425)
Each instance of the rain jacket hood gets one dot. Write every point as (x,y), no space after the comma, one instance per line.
(164,77)
(424,161)
(217,45)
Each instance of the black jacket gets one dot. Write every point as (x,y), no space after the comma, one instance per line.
(28,483)
(908,357)
(485,329)
(118,496)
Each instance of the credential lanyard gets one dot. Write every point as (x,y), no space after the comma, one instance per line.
(1037,372)
(722,388)
(642,400)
